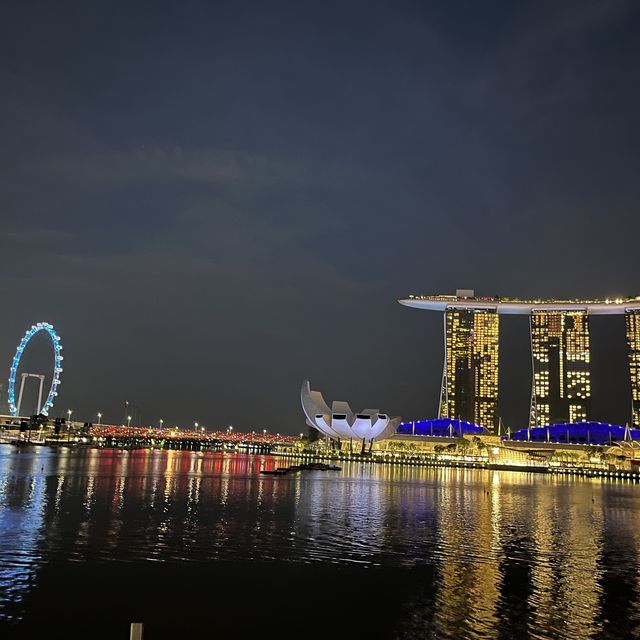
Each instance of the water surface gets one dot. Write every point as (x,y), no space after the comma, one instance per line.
(200,542)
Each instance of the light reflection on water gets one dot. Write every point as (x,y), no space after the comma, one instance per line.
(509,551)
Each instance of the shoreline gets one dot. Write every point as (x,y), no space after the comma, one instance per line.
(559,470)
(481,466)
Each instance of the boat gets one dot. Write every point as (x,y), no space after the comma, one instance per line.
(311,466)
(319,466)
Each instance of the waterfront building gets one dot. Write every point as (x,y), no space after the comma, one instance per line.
(340,423)
(439,427)
(560,354)
(561,388)
(632,319)
(470,373)
(590,433)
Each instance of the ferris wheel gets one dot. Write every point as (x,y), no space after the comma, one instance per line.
(57,370)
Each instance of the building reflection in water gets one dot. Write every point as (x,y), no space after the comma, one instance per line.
(486,554)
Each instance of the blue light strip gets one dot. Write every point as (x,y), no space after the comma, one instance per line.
(57,366)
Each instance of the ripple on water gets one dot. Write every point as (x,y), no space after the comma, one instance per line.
(503,555)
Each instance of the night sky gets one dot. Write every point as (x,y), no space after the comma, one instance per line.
(213,201)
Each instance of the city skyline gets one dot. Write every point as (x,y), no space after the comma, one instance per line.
(560,360)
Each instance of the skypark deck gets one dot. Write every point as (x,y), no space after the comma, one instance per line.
(614,306)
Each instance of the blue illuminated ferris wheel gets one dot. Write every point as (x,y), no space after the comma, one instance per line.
(57,368)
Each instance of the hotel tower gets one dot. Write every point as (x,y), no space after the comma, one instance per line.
(470,373)
(632,318)
(560,355)
(561,386)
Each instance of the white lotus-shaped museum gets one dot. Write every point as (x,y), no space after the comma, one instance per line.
(342,423)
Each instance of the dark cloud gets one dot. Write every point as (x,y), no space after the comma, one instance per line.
(213,201)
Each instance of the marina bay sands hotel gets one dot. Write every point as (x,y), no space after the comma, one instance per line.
(560,354)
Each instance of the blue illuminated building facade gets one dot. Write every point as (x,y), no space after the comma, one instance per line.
(443,427)
(596,433)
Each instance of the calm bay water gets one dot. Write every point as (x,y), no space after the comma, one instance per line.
(91,540)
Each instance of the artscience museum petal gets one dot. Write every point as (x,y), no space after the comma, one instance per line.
(341,422)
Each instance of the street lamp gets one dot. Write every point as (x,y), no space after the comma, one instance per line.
(128,421)
(99,418)
(161,421)
(196,426)
(69,412)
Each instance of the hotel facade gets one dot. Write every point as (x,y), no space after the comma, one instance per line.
(560,355)
(470,373)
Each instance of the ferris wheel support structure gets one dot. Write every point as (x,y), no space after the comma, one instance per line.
(24,379)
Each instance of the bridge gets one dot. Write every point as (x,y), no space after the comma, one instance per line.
(74,433)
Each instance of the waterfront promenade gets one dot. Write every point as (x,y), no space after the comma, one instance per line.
(568,459)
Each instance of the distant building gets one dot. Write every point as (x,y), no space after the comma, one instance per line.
(340,423)
(470,374)
(439,427)
(632,318)
(561,389)
(560,354)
